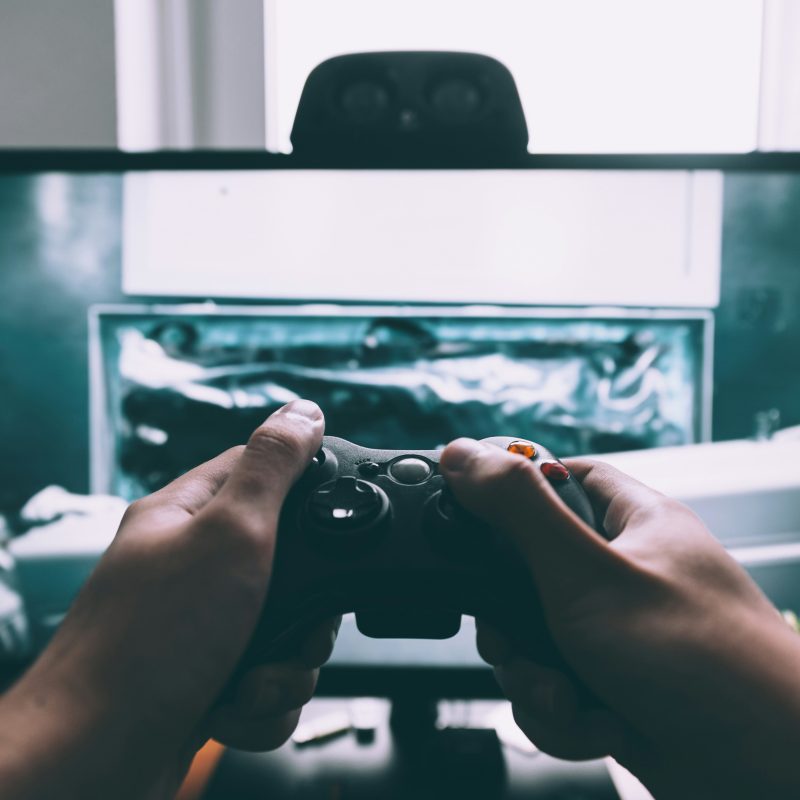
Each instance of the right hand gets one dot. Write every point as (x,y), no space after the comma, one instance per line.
(697,674)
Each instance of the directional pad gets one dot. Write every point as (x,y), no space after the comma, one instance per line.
(346,504)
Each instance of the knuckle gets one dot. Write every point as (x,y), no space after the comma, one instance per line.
(230,525)
(235,453)
(277,443)
(300,690)
(222,518)
(517,473)
(134,510)
(659,506)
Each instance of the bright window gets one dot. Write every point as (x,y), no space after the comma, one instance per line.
(593,75)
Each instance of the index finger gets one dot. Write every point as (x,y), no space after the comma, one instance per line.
(618,499)
(188,494)
(512,495)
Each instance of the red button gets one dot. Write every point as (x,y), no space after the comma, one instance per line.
(554,471)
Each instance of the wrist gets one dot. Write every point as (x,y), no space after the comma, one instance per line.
(764,742)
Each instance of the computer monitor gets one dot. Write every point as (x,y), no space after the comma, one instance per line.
(174,385)
(391,370)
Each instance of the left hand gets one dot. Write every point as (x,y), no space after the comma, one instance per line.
(127,691)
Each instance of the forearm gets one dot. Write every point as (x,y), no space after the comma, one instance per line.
(739,738)
(57,740)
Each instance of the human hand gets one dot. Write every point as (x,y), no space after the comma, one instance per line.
(127,690)
(697,675)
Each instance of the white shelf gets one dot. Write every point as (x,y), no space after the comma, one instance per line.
(539,237)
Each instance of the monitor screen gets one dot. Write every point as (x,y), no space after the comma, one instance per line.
(631,342)
(577,380)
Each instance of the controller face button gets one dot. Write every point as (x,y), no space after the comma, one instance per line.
(523,448)
(554,471)
(410,470)
(345,504)
(318,460)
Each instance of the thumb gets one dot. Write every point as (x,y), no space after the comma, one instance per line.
(510,492)
(275,456)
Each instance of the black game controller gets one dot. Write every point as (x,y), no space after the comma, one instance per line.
(377,532)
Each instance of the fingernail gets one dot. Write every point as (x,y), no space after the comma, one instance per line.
(302,408)
(458,454)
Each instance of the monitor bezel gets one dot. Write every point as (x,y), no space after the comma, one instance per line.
(76,160)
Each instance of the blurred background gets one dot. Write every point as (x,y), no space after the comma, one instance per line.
(643,308)
(614,77)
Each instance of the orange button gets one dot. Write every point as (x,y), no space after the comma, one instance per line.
(522,448)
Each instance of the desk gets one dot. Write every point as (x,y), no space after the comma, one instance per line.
(343,769)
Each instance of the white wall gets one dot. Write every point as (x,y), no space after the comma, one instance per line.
(57,73)
(58,84)
(780,77)
(229,54)
(190,74)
